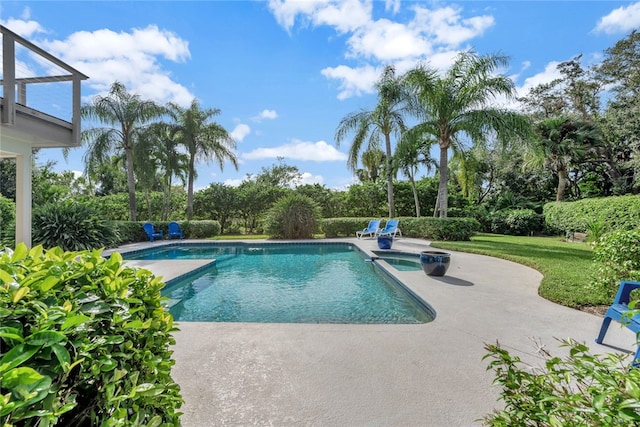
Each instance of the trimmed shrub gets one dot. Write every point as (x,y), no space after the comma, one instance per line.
(197,229)
(617,258)
(343,227)
(451,229)
(294,216)
(84,341)
(133,231)
(611,213)
(72,226)
(424,227)
(516,222)
(576,391)
(130,231)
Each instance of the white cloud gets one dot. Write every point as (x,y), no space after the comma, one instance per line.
(353,81)
(240,132)
(435,35)
(445,26)
(24,27)
(620,20)
(132,58)
(266,114)
(392,5)
(386,40)
(344,16)
(308,178)
(549,74)
(318,151)
(233,182)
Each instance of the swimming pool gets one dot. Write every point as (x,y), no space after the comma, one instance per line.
(286,283)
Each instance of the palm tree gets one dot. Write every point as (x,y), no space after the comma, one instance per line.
(373,160)
(204,140)
(563,141)
(386,119)
(410,153)
(456,107)
(125,116)
(172,162)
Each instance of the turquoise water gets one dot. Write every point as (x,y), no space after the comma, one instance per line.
(287,284)
(400,260)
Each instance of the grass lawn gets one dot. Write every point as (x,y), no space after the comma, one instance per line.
(567,266)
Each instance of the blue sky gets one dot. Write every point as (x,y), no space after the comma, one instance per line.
(283,73)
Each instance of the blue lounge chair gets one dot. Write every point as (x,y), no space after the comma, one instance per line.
(371,230)
(390,229)
(619,311)
(174,231)
(152,232)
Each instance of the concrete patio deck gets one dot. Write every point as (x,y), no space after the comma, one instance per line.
(237,374)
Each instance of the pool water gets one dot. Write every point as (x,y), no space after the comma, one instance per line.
(401,260)
(283,283)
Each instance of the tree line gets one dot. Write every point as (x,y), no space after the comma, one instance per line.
(559,128)
(577,136)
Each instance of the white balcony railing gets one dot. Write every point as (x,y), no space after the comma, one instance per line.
(38,85)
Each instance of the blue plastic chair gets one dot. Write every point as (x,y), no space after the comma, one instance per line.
(390,228)
(174,231)
(619,311)
(371,230)
(152,232)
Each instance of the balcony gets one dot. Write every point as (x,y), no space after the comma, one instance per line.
(40,105)
(39,108)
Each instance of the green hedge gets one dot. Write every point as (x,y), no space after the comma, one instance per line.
(133,231)
(516,222)
(607,213)
(7,222)
(617,257)
(84,341)
(423,227)
(458,229)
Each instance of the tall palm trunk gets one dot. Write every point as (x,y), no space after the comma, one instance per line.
(444,178)
(562,184)
(131,184)
(387,141)
(415,194)
(192,168)
(166,203)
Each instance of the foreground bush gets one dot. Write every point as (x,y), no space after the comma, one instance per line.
(617,258)
(85,341)
(577,391)
(72,226)
(294,216)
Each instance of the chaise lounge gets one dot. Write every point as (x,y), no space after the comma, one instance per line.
(390,229)
(371,230)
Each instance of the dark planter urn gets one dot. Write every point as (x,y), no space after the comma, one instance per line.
(385,242)
(435,263)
